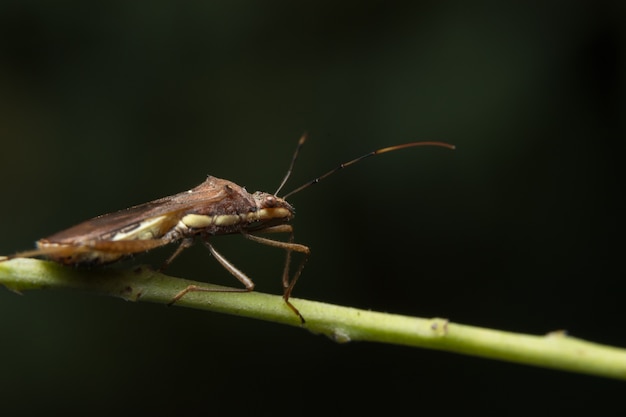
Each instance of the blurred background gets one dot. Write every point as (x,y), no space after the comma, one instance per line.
(104,105)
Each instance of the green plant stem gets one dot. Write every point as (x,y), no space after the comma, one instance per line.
(342,324)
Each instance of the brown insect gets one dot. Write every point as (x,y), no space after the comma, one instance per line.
(215,207)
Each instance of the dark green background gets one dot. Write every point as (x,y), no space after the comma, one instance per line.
(108,104)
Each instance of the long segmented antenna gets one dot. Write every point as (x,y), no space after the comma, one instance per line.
(353,161)
(303,139)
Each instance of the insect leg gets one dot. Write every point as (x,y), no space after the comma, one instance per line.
(184,244)
(289,246)
(243,278)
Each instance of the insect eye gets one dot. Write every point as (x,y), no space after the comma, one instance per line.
(270,201)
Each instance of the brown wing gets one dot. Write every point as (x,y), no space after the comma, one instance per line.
(210,191)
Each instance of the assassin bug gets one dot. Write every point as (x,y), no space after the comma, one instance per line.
(215,207)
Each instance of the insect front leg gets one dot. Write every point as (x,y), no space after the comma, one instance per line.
(289,246)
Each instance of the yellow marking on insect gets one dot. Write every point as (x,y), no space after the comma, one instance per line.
(273,213)
(197,220)
(226,219)
(147,229)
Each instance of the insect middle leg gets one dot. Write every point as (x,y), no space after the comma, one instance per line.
(243,278)
(288,283)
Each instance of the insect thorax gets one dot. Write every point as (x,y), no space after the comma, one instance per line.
(236,216)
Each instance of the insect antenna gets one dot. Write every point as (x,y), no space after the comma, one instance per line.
(355,160)
(303,139)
